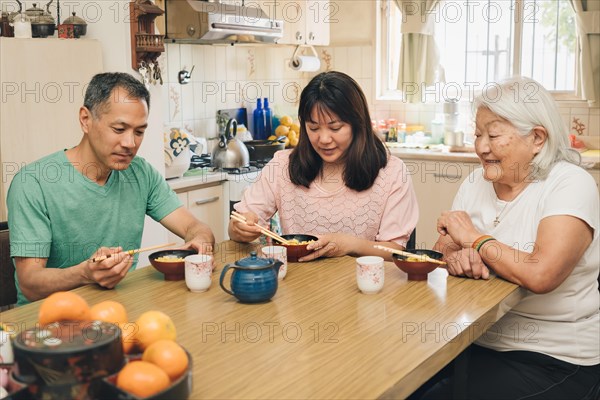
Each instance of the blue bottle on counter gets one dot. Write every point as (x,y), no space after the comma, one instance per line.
(268,119)
(259,121)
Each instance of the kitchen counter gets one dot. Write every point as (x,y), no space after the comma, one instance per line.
(193,181)
(590,158)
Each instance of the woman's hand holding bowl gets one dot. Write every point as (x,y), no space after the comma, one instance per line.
(329,245)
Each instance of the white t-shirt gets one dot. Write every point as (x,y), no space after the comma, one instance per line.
(564,323)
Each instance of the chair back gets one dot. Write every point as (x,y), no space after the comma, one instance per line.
(412,240)
(8,290)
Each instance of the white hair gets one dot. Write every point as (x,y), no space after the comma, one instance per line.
(525,104)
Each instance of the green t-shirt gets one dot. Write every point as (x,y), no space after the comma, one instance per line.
(57,213)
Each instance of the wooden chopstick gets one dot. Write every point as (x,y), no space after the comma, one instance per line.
(407,254)
(240,218)
(135,251)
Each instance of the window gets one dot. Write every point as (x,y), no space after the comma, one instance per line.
(484,41)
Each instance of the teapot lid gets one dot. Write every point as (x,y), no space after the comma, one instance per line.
(75,20)
(254,262)
(44,19)
(34,11)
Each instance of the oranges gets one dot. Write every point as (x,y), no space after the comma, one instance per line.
(142,379)
(281,130)
(286,120)
(290,129)
(295,127)
(61,306)
(153,326)
(168,356)
(109,311)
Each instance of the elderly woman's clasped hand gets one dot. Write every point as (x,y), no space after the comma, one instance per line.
(461,258)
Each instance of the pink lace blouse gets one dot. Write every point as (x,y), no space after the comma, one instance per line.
(388,211)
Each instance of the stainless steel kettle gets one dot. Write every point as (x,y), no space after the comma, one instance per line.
(230,152)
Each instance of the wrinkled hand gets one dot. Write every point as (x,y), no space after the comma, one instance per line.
(459,226)
(248,231)
(466,262)
(109,272)
(329,245)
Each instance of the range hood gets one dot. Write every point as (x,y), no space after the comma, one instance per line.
(207,22)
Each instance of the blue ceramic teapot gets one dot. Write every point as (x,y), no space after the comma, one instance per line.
(254,279)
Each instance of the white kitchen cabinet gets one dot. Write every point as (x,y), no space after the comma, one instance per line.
(305,22)
(43,85)
(436,184)
(206,204)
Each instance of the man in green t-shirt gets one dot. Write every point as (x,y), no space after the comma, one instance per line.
(91,200)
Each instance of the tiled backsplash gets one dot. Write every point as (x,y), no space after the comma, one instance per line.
(234,76)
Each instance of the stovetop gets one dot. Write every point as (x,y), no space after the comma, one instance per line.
(205,161)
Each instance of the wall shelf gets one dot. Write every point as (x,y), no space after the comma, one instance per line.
(145,44)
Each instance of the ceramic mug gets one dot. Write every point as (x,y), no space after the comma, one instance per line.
(277,253)
(6,351)
(370,274)
(198,272)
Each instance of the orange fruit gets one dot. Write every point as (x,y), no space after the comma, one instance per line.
(128,337)
(167,355)
(61,306)
(286,120)
(109,311)
(142,379)
(282,130)
(153,326)
(295,127)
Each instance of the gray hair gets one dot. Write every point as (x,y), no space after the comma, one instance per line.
(526,104)
(102,85)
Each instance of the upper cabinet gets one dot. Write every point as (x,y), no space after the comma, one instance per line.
(305,22)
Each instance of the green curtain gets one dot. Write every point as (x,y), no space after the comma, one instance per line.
(588,50)
(419,54)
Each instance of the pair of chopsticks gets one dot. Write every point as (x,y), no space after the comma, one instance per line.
(132,252)
(421,257)
(236,216)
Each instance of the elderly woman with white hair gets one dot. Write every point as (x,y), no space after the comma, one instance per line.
(531,216)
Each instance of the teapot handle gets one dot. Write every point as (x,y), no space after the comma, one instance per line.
(223,272)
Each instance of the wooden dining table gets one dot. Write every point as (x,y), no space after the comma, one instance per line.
(319,337)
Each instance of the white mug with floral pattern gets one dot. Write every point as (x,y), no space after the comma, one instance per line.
(370,274)
(198,272)
(277,253)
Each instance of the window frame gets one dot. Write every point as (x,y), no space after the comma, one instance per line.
(383,94)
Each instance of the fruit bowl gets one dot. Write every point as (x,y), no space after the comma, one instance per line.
(296,251)
(417,270)
(173,270)
(180,388)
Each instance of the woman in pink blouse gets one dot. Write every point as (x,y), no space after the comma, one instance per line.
(340,183)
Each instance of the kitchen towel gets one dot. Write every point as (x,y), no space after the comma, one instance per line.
(305,63)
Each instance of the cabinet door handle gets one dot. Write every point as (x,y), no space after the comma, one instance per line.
(299,36)
(447,176)
(207,200)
